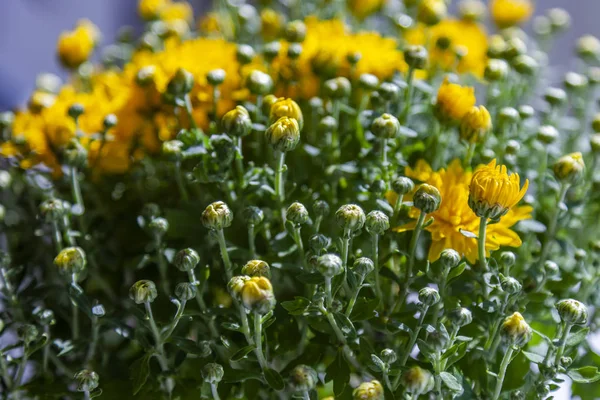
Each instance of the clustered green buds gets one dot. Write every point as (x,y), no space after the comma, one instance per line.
(377,222)
(143,291)
(350,217)
(330,265)
(516,330)
(386,126)
(427,198)
(303,378)
(87,381)
(369,391)
(217,216)
(572,312)
(212,373)
(186,260)
(216,77)
(237,122)
(71,260)
(257,268)
(297,214)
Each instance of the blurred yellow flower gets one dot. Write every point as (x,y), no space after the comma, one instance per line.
(271,23)
(361,9)
(454,101)
(507,13)
(150,9)
(455,215)
(475,124)
(75,47)
(177,11)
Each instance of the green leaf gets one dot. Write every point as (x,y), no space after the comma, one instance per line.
(274,379)
(534,358)
(231,326)
(190,347)
(530,225)
(578,337)
(338,372)
(388,273)
(587,374)
(457,271)
(243,352)
(345,325)
(140,370)
(80,299)
(457,355)
(297,306)
(451,382)
(364,309)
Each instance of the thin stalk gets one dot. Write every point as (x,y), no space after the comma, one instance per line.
(562,343)
(213,390)
(224,253)
(162,265)
(239,165)
(352,301)
(551,231)
(94,342)
(5,375)
(398,205)
(407,95)
(180,182)
(305,395)
(318,221)
(481,239)
(502,373)
(413,246)
(384,161)
(258,341)
(245,324)
(469,155)
(411,343)
(190,111)
(300,244)
(375,256)
(345,248)
(176,319)
(162,360)
(58,243)
(75,315)
(86,395)
(279,184)
(211,323)
(21,368)
(328,294)
(251,241)
(76,190)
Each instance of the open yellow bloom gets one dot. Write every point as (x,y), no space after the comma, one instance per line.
(454,101)
(507,13)
(463,35)
(75,47)
(475,124)
(454,214)
(493,192)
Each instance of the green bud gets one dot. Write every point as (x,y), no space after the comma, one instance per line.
(52,210)
(566,362)
(580,255)
(555,96)
(150,211)
(460,317)
(368,82)
(515,46)
(87,381)
(450,258)
(294,51)
(143,291)
(377,222)
(560,19)
(350,217)
(212,373)
(318,243)
(516,330)
(416,56)
(303,378)
(427,198)
(353,57)
(512,147)
(569,168)
(510,285)
(389,91)
(547,134)
(572,312)
(363,266)
(172,149)
(525,64)
(330,265)
(551,268)
(28,333)
(185,291)
(297,213)
(388,356)
(271,50)
(180,84)
(75,155)
(259,83)
(417,381)
(496,69)
(5,180)
(402,185)
(217,216)
(429,296)
(145,76)
(244,54)
(257,268)
(158,226)
(328,124)
(507,259)
(526,111)
(386,126)
(216,77)
(6,119)
(588,47)
(71,260)
(253,215)
(595,142)
(508,115)
(186,260)
(321,208)
(378,187)
(337,88)
(44,316)
(295,31)
(237,122)
(75,111)
(575,82)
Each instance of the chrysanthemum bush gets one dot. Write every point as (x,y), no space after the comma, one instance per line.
(354,200)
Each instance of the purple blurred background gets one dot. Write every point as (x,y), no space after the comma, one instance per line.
(29,29)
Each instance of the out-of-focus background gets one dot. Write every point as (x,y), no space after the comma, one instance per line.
(29,29)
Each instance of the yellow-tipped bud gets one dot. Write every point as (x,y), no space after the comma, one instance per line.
(284,134)
(368,391)
(516,329)
(75,47)
(475,125)
(569,168)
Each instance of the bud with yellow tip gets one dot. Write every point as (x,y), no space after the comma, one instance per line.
(569,168)
(516,330)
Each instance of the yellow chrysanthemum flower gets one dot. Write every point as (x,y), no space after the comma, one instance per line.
(75,47)
(507,13)
(454,214)
(271,23)
(361,9)
(325,50)
(475,124)
(454,101)
(179,11)
(463,35)
(493,192)
(150,9)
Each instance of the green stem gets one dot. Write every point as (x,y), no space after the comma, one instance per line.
(469,155)
(5,375)
(481,243)
(162,265)
(502,373)
(345,248)
(94,341)
(251,241)
(75,315)
(86,395)
(213,390)
(76,189)
(562,344)
(176,319)
(279,184)
(224,254)
(300,244)
(352,301)
(211,323)
(318,221)
(375,256)
(413,246)
(58,243)
(551,231)
(384,161)
(258,341)
(407,95)
(414,336)
(239,165)
(162,360)
(328,294)
(189,110)
(398,206)
(305,395)
(181,182)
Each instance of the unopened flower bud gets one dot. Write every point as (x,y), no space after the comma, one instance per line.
(158,226)
(253,215)
(321,208)
(402,185)
(52,210)
(318,243)
(515,46)
(212,373)
(588,46)
(431,12)
(217,216)
(475,125)
(526,112)
(575,82)
(569,168)
(510,285)
(181,83)
(28,333)
(580,255)
(378,187)
(236,284)
(71,260)
(257,268)
(496,47)
(350,217)
(363,266)
(297,213)
(327,124)
(566,362)
(385,126)
(294,51)
(369,391)
(186,260)
(551,268)
(572,311)
(560,19)
(512,147)
(368,81)
(471,10)
(286,108)
(244,54)
(110,121)
(377,222)
(143,291)
(337,88)
(547,134)
(271,50)
(353,57)
(44,316)
(507,259)
(76,110)
(330,265)
(427,198)
(257,295)
(416,57)
(237,122)
(429,296)
(216,77)
(555,96)
(595,142)
(185,291)
(388,356)
(389,91)
(284,134)
(460,316)
(87,381)
(303,378)
(145,76)
(450,258)
(172,149)
(259,83)
(496,69)
(295,31)
(6,119)
(417,381)
(516,330)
